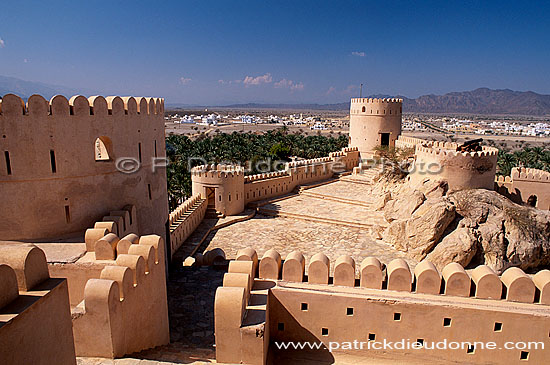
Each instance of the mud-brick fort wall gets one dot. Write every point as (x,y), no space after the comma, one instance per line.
(524,183)
(462,170)
(387,302)
(221,185)
(58,171)
(228,190)
(373,122)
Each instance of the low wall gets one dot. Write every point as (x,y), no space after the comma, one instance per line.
(524,183)
(35,319)
(124,310)
(185,219)
(391,303)
(408,142)
(121,223)
(298,173)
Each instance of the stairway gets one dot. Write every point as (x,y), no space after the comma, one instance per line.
(184,216)
(212,213)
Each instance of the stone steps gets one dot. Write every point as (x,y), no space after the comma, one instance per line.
(186,214)
(278,213)
(337,199)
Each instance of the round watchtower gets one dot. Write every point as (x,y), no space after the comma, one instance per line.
(222,185)
(373,123)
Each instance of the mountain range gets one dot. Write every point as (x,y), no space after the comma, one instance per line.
(478,101)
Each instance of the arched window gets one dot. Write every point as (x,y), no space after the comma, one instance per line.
(103,148)
(532,201)
(364,109)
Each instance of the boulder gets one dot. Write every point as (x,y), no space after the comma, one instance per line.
(427,225)
(459,246)
(403,206)
(381,201)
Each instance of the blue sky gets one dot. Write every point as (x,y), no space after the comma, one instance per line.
(219,52)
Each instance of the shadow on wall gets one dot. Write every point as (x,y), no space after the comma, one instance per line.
(283,327)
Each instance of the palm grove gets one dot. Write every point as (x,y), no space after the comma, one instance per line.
(268,151)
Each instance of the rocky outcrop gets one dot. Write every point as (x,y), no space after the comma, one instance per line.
(470,227)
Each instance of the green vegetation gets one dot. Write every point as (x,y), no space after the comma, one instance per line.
(246,149)
(532,157)
(396,161)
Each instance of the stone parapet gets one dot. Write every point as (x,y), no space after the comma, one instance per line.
(35,319)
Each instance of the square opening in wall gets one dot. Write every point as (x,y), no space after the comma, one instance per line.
(280,326)
(498,327)
(524,355)
(349,311)
(471,349)
(372,336)
(420,342)
(397,316)
(304,306)
(446,322)
(324,331)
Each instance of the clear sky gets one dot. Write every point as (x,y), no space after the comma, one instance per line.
(219,52)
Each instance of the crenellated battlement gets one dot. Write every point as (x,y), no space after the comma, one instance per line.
(386,302)
(311,162)
(376,100)
(448,149)
(128,286)
(513,285)
(33,306)
(79,105)
(217,171)
(269,175)
(528,174)
(407,142)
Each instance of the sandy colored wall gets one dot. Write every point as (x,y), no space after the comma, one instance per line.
(34,197)
(227,182)
(523,183)
(78,273)
(130,287)
(392,302)
(408,142)
(420,318)
(462,170)
(185,219)
(35,319)
(371,117)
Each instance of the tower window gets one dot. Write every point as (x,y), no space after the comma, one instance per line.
(139,152)
(149,191)
(156,148)
(52,161)
(8,162)
(364,109)
(103,148)
(67,214)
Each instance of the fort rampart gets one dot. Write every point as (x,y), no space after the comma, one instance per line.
(387,302)
(60,159)
(130,286)
(185,219)
(35,318)
(228,190)
(441,160)
(524,184)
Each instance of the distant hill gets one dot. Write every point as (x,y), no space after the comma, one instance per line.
(24,89)
(479,101)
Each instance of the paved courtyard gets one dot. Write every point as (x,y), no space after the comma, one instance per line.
(287,234)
